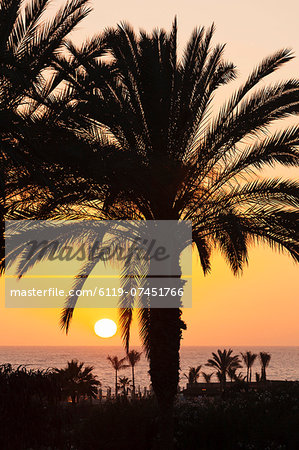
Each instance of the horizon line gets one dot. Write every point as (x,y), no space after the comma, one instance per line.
(139,345)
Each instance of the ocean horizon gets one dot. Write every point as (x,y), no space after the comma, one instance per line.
(284,364)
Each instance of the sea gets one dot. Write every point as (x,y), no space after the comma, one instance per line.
(284,364)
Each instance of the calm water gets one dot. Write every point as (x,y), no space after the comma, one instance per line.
(284,364)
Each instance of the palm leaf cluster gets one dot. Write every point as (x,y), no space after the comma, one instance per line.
(78,381)
(224,362)
(170,159)
(249,358)
(193,374)
(28,46)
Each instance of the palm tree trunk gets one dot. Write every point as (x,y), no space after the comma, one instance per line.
(165,336)
(223,382)
(263,374)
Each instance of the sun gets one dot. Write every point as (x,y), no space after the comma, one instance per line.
(105,328)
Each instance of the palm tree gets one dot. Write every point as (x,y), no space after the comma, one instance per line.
(151,150)
(193,375)
(117,365)
(249,359)
(218,375)
(124,384)
(133,358)
(232,373)
(224,362)
(78,381)
(257,377)
(207,376)
(28,47)
(264,358)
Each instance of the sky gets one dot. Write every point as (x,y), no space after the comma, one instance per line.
(262,306)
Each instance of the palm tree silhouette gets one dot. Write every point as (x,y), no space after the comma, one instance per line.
(207,376)
(124,384)
(133,358)
(78,381)
(224,362)
(232,373)
(117,365)
(149,149)
(193,375)
(28,47)
(249,359)
(264,358)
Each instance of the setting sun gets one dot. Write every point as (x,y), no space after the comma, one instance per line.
(105,328)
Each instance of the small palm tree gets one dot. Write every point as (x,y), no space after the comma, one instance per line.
(124,384)
(78,381)
(257,377)
(264,358)
(117,364)
(207,376)
(239,377)
(232,373)
(249,359)
(193,375)
(133,358)
(223,361)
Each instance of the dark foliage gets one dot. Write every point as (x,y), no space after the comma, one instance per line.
(31,418)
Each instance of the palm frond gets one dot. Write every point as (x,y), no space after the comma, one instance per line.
(71,301)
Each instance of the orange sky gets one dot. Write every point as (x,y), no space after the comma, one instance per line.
(259,308)
(262,306)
